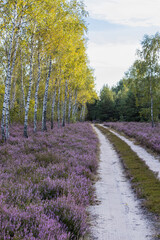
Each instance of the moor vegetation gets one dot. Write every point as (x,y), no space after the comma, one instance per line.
(142,132)
(46,183)
(47,165)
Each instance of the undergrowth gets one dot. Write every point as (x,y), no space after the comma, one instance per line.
(46,183)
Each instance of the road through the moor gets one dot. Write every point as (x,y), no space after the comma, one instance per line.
(118,216)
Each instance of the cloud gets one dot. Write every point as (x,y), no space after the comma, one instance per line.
(142,13)
(110,61)
(116,28)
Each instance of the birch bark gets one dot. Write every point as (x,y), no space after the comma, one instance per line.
(9,87)
(22,84)
(53,105)
(74,107)
(76,113)
(8,77)
(14,95)
(64,105)
(36,93)
(69,107)
(29,94)
(58,105)
(44,126)
(84,110)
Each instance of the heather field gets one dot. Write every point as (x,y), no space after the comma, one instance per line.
(46,183)
(142,132)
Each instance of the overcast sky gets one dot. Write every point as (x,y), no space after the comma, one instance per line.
(116,28)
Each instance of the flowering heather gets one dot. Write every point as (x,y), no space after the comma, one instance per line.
(46,183)
(142,132)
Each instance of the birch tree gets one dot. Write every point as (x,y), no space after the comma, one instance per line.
(69,106)
(44,112)
(65,103)
(29,89)
(53,104)
(36,93)
(22,82)
(58,104)
(150,47)
(148,69)
(10,38)
(31,31)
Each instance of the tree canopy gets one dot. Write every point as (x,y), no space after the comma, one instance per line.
(137,96)
(44,67)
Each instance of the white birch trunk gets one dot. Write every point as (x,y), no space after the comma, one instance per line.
(74,107)
(65,103)
(14,95)
(61,106)
(69,107)
(44,126)
(22,84)
(58,105)
(8,77)
(29,94)
(9,88)
(36,94)
(53,105)
(76,113)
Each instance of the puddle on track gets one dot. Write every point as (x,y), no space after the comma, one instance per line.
(119,215)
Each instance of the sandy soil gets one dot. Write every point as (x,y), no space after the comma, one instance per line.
(118,215)
(152,162)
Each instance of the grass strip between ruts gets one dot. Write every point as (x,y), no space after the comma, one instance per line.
(144,181)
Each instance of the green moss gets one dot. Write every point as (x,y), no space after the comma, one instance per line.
(144,181)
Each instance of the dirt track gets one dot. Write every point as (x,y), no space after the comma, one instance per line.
(152,162)
(118,216)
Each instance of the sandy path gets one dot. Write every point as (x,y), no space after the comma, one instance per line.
(152,162)
(118,216)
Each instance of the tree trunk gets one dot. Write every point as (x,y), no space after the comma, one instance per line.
(83,116)
(44,126)
(58,105)
(9,88)
(53,104)
(61,107)
(36,94)
(29,94)
(64,106)
(22,84)
(76,113)
(69,107)
(14,95)
(8,78)
(74,109)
